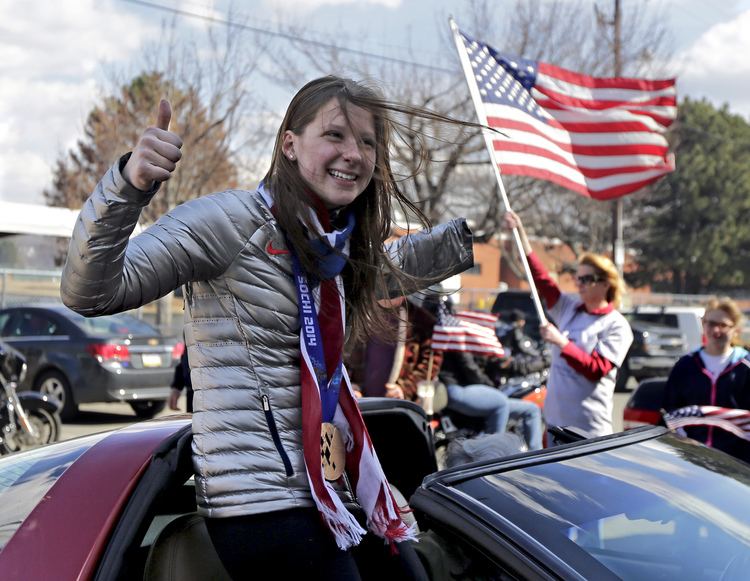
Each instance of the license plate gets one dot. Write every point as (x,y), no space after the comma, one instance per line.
(151,360)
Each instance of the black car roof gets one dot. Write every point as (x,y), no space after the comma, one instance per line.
(554,454)
(547,502)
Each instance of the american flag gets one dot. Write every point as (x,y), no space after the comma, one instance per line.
(600,137)
(478,318)
(732,420)
(452,333)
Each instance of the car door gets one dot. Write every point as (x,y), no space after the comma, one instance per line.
(33,333)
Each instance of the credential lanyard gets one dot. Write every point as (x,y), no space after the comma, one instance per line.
(310,329)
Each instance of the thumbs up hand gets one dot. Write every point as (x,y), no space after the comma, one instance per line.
(156,155)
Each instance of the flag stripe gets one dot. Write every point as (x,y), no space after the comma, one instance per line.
(484,319)
(598,104)
(735,421)
(505,118)
(661,116)
(582,80)
(596,126)
(514,162)
(461,333)
(575,186)
(567,117)
(589,167)
(582,153)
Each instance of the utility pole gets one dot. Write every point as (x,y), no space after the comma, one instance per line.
(618,245)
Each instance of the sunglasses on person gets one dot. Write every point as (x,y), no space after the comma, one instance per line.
(585,279)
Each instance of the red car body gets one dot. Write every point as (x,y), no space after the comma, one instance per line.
(71,525)
(645,404)
(107,506)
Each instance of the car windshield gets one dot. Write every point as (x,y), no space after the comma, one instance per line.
(114,325)
(27,476)
(662,319)
(662,509)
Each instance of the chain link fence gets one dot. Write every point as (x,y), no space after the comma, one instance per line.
(24,287)
(482,299)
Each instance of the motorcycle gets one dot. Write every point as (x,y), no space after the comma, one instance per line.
(27,419)
(449,425)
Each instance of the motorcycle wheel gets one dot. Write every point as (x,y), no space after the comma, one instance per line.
(47,426)
(147,409)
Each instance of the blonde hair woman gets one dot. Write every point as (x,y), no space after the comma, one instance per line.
(589,342)
(717,374)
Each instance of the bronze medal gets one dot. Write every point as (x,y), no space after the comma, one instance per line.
(332,452)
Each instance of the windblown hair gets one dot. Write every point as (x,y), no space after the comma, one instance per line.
(607,271)
(364,275)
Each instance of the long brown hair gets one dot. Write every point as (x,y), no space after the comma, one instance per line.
(367,265)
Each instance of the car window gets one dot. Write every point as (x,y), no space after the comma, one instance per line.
(662,509)
(446,555)
(4,318)
(31,324)
(114,325)
(663,319)
(26,477)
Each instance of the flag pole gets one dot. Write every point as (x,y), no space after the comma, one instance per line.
(479,108)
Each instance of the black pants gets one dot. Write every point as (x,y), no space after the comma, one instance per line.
(280,545)
(295,543)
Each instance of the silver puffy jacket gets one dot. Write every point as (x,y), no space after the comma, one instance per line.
(241,324)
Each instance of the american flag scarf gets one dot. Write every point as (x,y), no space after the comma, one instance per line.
(362,465)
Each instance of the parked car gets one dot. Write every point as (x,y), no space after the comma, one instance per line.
(661,335)
(645,404)
(745,330)
(517,299)
(643,504)
(84,360)
(685,320)
(653,353)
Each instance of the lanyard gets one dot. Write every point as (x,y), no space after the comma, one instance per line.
(311,336)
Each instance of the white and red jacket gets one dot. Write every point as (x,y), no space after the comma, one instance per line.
(581,386)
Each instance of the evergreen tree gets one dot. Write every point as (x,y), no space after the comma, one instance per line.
(694,236)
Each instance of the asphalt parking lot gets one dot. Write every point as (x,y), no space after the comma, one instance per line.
(98,417)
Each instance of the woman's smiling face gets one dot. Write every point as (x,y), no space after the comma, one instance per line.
(335,152)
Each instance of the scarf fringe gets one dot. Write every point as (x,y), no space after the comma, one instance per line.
(385,520)
(346,530)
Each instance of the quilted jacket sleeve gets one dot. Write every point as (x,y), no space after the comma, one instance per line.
(432,256)
(107,272)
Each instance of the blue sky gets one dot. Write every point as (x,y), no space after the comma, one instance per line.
(53,56)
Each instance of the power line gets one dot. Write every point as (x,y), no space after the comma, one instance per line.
(287,36)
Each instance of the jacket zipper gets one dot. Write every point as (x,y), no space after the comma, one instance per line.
(714,385)
(275,435)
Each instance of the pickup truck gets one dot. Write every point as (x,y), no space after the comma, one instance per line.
(661,335)
(687,320)
(654,352)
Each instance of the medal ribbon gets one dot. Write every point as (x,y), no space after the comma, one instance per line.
(311,335)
